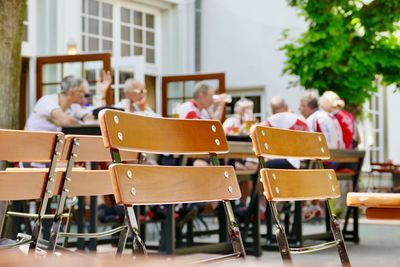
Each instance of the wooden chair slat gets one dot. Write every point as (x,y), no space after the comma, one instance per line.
(90,183)
(126,131)
(383,213)
(26,146)
(291,185)
(374,200)
(282,143)
(91,148)
(170,184)
(17,185)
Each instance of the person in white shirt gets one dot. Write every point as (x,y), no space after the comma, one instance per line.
(51,112)
(321,121)
(135,99)
(282,118)
(235,124)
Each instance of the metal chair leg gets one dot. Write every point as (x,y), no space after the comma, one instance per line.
(337,234)
(234,232)
(280,236)
(123,236)
(138,246)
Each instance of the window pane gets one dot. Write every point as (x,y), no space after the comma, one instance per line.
(83,43)
(125,50)
(83,24)
(189,88)
(172,105)
(150,38)
(125,33)
(83,6)
(51,73)
(72,68)
(150,21)
(25,37)
(93,7)
(90,75)
(138,51)
(125,15)
(125,75)
(93,44)
(107,45)
(107,29)
(107,10)
(138,36)
(150,57)
(26,13)
(50,89)
(174,89)
(93,26)
(138,17)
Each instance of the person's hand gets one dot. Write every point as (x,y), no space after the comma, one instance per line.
(104,83)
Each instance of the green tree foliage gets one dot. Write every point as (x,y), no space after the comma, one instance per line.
(347,44)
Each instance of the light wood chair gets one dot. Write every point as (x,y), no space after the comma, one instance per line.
(143,185)
(295,185)
(29,183)
(380,206)
(77,182)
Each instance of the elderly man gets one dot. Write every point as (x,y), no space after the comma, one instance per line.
(202,106)
(319,120)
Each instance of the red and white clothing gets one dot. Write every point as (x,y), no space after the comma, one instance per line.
(347,123)
(326,123)
(191,110)
(287,120)
(231,123)
(291,121)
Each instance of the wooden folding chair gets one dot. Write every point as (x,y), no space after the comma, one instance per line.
(380,206)
(29,183)
(79,182)
(297,185)
(143,185)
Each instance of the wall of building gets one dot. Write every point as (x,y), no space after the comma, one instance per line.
(243,40)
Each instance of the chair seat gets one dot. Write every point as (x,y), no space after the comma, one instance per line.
(374,200)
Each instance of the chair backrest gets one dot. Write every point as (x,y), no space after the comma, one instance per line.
(144,184)
(25,184)
(294,184)
(282,143)
(27,146)
(91,149)
(125,131)
(291,185)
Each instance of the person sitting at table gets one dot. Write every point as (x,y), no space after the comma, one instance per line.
(53,111)
(331,103)
(135,99)
(202,106)
(282,118)
(319,120)
(236,124)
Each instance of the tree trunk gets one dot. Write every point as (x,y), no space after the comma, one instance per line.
(12,13)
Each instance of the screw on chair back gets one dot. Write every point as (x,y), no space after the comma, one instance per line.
(29,183)
(77,182)
(293,185)
(140,185)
